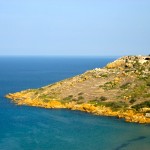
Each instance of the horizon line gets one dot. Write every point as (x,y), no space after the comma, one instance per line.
(61,55)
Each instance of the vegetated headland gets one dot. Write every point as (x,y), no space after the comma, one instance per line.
(121,89)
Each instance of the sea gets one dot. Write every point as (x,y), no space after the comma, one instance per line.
(32,128)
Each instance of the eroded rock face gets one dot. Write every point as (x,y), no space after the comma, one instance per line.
(120,89)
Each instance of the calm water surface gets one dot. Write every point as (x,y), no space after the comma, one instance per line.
(30,128)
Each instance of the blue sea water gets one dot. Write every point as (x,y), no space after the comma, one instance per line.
(31,128)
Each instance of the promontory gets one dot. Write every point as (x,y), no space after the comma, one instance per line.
(120,89)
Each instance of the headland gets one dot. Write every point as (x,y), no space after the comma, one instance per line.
(120,89)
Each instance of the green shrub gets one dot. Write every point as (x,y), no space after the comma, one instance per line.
(148,82)
(112,105)
(124,85)
(104,75)
(109,85)
(68,98)
(132,100)
(44,96)
(36,93)
(146,95)
(80,97)
(81,93)
(142,105)
(103,98)
(116,105)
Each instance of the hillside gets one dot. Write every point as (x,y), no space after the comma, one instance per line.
(121,88)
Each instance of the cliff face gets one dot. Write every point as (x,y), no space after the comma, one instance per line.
(122,89)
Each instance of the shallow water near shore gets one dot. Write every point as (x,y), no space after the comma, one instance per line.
(31,128)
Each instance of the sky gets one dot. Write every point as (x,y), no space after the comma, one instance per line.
(75,27)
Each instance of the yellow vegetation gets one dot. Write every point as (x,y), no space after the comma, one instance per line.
(115,64)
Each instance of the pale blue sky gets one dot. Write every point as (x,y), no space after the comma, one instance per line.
(74,27)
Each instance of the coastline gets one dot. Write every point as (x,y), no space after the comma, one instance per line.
(128,115)
(120,89)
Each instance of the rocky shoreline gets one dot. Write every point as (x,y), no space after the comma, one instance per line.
(128,115)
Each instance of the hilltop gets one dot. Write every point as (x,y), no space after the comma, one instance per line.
(121,88)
